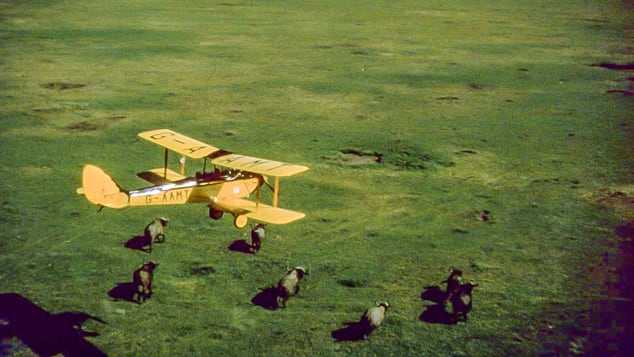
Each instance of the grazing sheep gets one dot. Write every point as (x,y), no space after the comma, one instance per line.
(142,281)
(453,283)
(155,231)
(461,301)
(257,235)
(373,318)
(289,285)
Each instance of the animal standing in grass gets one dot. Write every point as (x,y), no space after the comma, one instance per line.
(453,282)
(289,285)
(257,235)
(155,231)
(142,281)
(461,301)
(373,318)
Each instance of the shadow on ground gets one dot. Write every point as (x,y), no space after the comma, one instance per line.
(266,298)
(123,291)
(352,332)
(436,313)
(240,246)
(44,333)
(139,243)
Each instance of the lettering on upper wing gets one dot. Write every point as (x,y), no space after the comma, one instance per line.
(162,135)
(193,149)
(179,140)
(252,162)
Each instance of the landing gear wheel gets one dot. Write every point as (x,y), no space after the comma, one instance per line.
(215,214)
(240,221)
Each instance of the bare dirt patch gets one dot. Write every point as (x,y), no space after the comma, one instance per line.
(82,126)
(356,157)
(63,85)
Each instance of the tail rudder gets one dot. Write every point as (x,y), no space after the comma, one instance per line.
(101,189)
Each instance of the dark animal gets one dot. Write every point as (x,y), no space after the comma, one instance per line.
(257,235)
(461,301)
(453,283)
(373,318)
(155,231)
(289,285)
(142,281)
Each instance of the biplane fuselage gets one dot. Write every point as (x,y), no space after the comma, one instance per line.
(197,189)
(224,190)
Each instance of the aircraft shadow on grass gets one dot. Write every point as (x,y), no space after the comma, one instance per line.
(625,230)
(44,333)
(266,298)
(436,314)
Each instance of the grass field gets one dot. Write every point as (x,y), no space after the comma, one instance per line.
(471,105)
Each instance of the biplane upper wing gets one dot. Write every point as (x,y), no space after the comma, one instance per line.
(195,149)
(179,143)
(258,166)
(259,211)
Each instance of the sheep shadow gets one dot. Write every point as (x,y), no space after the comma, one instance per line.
(123,291)
(436,313)
(434,294)
(266,298)
(240,246)
(44,333)
(352,332)
(138,243)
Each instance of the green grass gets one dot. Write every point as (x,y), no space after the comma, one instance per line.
(472,105)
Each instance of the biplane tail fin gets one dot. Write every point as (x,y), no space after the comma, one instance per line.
(101,189)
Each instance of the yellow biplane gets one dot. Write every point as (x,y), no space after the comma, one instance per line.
(223,189)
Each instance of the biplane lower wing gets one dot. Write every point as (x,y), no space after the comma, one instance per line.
(259,211)
(160,176)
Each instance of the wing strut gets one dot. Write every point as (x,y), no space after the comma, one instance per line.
(257,195)
(165,163)
(276,191)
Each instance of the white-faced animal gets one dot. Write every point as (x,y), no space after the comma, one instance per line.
(461,301)
(257,235)
(289,285)
(142,281)
(373,318)
(155,231)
